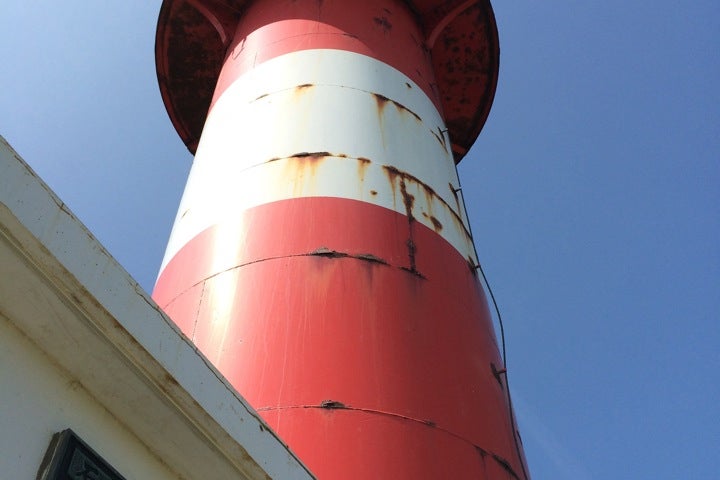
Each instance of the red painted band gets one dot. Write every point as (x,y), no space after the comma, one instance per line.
(382,29)
(358,327)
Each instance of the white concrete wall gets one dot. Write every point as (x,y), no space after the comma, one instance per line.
(38,399)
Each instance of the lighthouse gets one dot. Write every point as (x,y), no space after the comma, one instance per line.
(321,257)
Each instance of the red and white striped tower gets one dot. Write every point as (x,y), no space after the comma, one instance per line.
(321,258)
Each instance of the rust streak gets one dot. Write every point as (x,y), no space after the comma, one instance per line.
(395,173)
(398,176)
(382,101)
(402,107)
(300,89)
(411,252)
(304,165)
(363,164)
(408,200)
(437,225)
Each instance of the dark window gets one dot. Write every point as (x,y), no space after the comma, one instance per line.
(69,458)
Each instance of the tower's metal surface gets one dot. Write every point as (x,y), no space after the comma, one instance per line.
(321,257)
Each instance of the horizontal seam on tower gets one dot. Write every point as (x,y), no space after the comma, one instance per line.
(365,257)
(329,405)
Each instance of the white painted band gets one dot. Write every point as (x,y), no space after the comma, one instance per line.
(343,105)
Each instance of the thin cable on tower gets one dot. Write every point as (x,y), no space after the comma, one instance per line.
(502,330)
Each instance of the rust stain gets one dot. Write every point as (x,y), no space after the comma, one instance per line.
(311,154)
(408,200)
(397,176)
(309,160)
(363,164)
(394,174)
(373,192)
(301,170)
(402,107)
(437,225)
(397,173)
(300,89)
(382,102)
(412,249)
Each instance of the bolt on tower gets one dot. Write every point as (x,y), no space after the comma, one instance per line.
(321,257)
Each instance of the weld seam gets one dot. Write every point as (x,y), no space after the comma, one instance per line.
(369,258)
(428,423)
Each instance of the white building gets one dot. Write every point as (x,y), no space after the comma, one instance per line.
(83,347)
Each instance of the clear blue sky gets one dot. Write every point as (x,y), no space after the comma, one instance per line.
(594,195)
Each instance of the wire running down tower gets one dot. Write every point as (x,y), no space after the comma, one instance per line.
(321,257)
